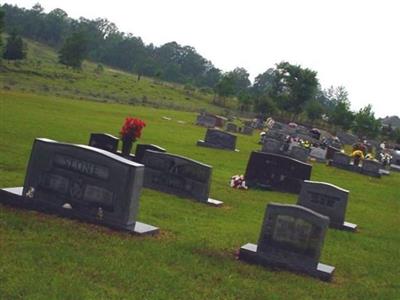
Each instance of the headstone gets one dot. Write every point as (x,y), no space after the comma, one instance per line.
(318,154)
(178,175)
(328,200)
(279,135)
(84,182)
(341,159)
(299,153)
(291,237)
(218,139)
(141,148)
(104,141)
(248,130)
(330,151)
(371,168)
(206,120)
(347,138)
(276,172)
(231,127)
(272,146)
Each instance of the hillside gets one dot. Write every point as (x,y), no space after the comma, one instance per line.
(40,73)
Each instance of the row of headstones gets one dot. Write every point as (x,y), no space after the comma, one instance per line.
(102,187)
(271,145)
(368,167)
(292,236)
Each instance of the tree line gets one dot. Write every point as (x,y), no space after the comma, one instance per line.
(284,89)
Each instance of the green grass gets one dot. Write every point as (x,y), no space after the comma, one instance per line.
(40,73)
(193,257)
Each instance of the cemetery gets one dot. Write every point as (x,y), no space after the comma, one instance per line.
(306,233)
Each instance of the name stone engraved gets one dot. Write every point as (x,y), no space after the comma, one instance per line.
(88,179)
(178,175)
(291,237)
(276,172)
(328,200)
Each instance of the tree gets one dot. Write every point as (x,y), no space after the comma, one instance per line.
(365,124)
(265,104)
(15,48)
(313,110)
(224,88)
(240,80)
(295,87)
(73,51)
(341,115)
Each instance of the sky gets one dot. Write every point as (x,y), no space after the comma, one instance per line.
(354,43)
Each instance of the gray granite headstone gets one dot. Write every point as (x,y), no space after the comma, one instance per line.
(86,183)
(318,154)
(104,141)
(178,175)
(231,127)
(279,135)
(291,237)
(218,139)
(276,172)
(299,153)
(328,200)
(272,146)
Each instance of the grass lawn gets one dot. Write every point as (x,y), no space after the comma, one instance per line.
(194,256)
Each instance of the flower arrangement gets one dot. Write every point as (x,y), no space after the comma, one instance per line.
(132,129)
(237,181)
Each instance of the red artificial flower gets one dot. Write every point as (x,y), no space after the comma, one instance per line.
(132,128)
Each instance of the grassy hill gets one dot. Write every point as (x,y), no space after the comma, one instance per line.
(194,256)
(40,73)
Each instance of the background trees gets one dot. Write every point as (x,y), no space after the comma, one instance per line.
(74,50)
(15,48)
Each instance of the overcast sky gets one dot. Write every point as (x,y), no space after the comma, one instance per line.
(355,43)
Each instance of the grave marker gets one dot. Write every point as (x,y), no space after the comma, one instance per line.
(276,172)
(291,237)
(141,148)
(371,168)
(328,200)
(218,139)
(299,153)
(82,182)
(178,175)
(104,141)
(272,146)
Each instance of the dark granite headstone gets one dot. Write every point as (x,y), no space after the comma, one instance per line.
(328,200)
(248,130)
(218,139)
(84,182)
(341,159)
(206,120)
(330,151)
(371,168)
(291,237)
(279,135)
(104,141)
(276,172)
(178,175)
(299,153)
(141,148)
(231,127)
(272,146)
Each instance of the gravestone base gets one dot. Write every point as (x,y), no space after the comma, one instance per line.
(395,167)
(209,145)
(248,253)
(384,172)
(346,226)
(356,169)
(213,202)
(13,197)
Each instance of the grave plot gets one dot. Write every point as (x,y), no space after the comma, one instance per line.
(218,139)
